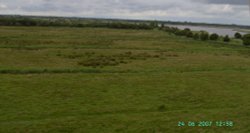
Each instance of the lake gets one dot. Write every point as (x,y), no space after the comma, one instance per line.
(219,30)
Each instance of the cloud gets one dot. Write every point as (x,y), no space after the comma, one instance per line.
(233,2)
(3,6)
(216,11)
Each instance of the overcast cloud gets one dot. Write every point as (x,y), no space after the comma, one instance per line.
(212,11)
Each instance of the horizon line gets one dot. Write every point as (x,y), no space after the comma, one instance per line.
(128,19)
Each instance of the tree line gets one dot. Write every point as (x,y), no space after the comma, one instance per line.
(64,22)
(203,35)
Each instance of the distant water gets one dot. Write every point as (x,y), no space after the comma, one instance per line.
(219,30)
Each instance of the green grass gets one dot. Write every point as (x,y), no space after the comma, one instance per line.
(97,80)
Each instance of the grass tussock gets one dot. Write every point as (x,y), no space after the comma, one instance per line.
(112,60)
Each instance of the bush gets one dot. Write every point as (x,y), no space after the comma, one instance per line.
(180,33)
(246,39)
(214,36)
(189,34)
(226,39)
(204,36)
(186,30)
(196,36)
(174,30)
(237,35)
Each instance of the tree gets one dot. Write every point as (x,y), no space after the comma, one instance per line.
(204,36)
(174,30)
(179,32)
(187,30)
(154,24)
(196,36)
(189,34)
(237,35)
(226,39)
(246,39)
(214,36)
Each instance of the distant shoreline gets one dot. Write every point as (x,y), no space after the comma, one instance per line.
(220,30)
(236,26)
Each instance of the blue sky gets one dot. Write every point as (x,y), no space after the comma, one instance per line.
(211,11)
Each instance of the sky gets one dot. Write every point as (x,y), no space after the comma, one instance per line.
(210,11)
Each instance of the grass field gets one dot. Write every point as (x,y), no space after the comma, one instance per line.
(96,80)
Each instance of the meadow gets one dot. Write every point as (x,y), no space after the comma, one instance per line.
(100,80)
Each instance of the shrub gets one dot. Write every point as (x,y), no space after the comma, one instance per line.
(214,36)
(237,35)
(196,36)
(166,28)
(204,36)
(174,30)
(246,39)
(187,29)
(181,33)
(226,39)
(189,34)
